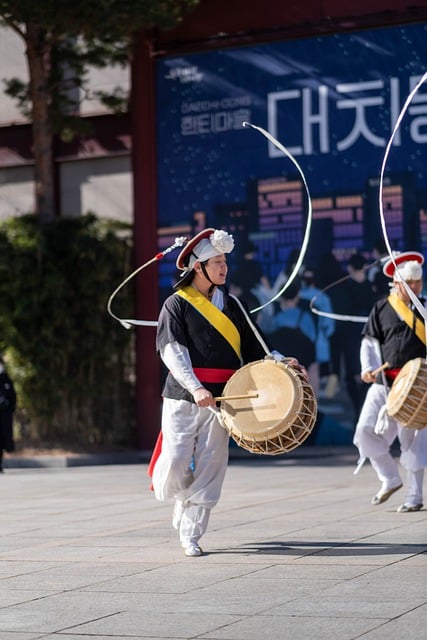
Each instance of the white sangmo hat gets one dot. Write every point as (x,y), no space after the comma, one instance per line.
(205,245)
(408,265)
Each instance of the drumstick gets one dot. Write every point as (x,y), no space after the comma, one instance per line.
(386,365)
(241,397)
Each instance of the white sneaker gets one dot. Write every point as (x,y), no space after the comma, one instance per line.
(192,550)
(407,508)
(384,494)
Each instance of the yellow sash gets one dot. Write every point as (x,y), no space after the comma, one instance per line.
(217,318)
(408,316)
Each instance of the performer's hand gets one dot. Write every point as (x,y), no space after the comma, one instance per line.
(368,377)
(294,363)
(203,398)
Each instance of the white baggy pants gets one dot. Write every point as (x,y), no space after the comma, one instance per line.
(373,446)
(413,444)
(192,464)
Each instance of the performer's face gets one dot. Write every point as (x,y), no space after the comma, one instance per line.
(217,269)
(415,285)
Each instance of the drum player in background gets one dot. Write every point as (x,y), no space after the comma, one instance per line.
(203,337)
(389,337)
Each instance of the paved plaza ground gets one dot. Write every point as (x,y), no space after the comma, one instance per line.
(294,550)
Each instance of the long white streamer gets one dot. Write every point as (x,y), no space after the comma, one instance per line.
(391,254)
(417,303)
(128,322)
(252,326)
(338,316)
(304,245)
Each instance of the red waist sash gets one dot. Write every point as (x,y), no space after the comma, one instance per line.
(391,374)
(205,375)
(213,375)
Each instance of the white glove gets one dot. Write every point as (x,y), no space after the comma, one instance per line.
(276,356)
(382,424)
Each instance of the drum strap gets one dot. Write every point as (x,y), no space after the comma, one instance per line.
(215,316)
(408,316)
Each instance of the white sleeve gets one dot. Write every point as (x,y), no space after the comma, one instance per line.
(370,355)
(177,359)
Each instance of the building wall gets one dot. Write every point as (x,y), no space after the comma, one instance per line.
(16,191)
(101,185)
(95,178)
(12,64)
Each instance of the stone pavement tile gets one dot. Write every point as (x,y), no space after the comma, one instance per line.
(140,624)
(297,570)
(62,552)
(248,596)
(12,568)
(65,611)
(407,573)
(296,628)
(411,626)
(7,635)
(381,584)
(123,614)
(349,559)
(417,561)
(323,604)
(174,578)
(13,596)
(56,580)
(80,636)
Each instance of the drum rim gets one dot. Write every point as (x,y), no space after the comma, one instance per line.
(406,410)
(290,435)
(395,400)
(302,391)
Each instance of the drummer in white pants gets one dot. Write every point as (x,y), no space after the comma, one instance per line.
(193,476)
(387,337)
(203,337)
(376,446)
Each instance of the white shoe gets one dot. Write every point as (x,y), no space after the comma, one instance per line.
(407,508)
(385,494)
(192,550)
(178,510)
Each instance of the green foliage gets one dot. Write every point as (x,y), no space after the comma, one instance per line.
(71,36)
(70,361)
(105,19)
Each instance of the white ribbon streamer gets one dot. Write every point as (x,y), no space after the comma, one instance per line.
(338,316)
(303,249)
(391,254)
(128,322)
(417,303)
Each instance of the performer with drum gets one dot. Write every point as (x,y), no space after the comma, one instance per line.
(393,336)
(203,337)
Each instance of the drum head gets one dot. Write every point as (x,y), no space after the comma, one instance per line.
(279,399)
(402,385)
(407,400)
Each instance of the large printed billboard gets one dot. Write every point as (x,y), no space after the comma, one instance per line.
(332,101)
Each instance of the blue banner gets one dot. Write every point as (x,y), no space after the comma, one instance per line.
(333,102)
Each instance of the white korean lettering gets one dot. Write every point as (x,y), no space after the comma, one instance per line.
(360,105)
